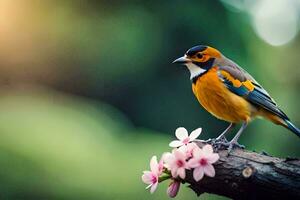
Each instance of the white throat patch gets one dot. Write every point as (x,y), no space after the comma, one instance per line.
(194,70)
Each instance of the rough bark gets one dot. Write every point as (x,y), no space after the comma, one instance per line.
(249,175)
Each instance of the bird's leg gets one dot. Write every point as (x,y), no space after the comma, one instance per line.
(222,137)
(234,140)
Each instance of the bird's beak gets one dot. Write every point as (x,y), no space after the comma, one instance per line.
(182,60)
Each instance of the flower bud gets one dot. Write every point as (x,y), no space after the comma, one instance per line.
(173,188)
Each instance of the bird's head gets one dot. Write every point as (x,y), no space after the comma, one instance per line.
(199,59)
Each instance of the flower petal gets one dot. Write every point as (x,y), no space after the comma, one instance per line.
(179,155)
(197,153)
(207,149)
(160,166)
(209,170)
(198,173)
(183,148)
(169,160)
(181,133)
(167,156)
(193,163)
(214,157)
(181,172)
(175,143)
(154,164)
(174,172)
(153,187)
(195,133)
(147,177)
(190,148)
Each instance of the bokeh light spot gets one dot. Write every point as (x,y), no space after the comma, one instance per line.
(275,22)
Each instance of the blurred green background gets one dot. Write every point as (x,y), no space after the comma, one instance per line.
(88,92)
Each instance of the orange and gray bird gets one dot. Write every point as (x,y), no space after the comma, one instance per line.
(230,93)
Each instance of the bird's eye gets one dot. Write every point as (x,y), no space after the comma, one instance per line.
(199,55)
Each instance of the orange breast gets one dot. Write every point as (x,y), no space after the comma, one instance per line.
(218,100)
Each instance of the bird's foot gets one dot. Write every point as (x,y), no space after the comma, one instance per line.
(220,139)
(222,143)
(231,145)
(217,142)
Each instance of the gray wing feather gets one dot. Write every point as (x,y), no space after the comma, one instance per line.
(242,75)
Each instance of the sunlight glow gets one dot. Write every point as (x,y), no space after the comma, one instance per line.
(276,22)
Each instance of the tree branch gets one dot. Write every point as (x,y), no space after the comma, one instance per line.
(248,175)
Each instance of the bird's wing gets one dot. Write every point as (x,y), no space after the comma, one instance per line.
(240,82)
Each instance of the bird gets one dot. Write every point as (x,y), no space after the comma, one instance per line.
(229,92)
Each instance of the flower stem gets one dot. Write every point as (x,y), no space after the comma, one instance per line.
(164,177)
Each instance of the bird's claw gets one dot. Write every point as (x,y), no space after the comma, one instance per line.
(224,144)
(216,140)
(232,145)
(221,140)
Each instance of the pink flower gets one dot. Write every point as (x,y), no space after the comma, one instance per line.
(156,167)
(183,137)
(202,162)
(189,149)
(151,177)
(173,188)
(176,162)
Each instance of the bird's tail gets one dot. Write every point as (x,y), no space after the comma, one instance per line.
(292,127)
(280,121)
